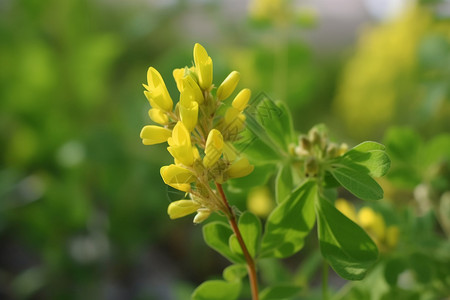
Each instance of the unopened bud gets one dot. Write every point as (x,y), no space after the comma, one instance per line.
(202,215)
(311,167)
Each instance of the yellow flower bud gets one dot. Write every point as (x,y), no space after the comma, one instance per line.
(157,90)
(180,145)
(181,208)
(190,85)
(231,115)
(204,66)
(158,116)
(240,168)
(346,208)
(227,87)
(178,75)
(241,100)
(152,134)
(189,115)
(202,215)
(177,177)
(213,148)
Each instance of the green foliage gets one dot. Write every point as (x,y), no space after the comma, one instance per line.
(289,223)
(217,290)
(279,292)
(217,236)
(347,248)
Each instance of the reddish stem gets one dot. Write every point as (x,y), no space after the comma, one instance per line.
(248,258)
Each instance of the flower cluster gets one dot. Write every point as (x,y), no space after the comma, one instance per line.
(200,131)
(314,148)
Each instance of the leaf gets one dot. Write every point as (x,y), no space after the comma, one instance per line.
(356,180)
(283,183)
(290,222)
(377,162)
(217,290)
(345,245)
(250,228)
(279,292)
(368,146)
(216,236)
(234,272)
(286,123)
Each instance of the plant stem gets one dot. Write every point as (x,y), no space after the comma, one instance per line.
(248,258)
(325,281)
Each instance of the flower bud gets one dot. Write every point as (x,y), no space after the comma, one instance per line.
(181,208)
(240,168)
(311,167)
(152,134)
(227,87)
(202,215)
(157,90)
(190,85)
(189,115)
(204,66)
(241,100)
(158,116)
(213,148)
(177,177)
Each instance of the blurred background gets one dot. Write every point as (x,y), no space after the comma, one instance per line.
(82,204)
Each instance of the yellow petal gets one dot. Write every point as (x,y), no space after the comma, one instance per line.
(190,85)
(372,221)
(183,154)
(178,75)
(240,168)
(180,135)
(203,65)
(202,215)
(181,208)
(241,100)
(229,152)
(152,134)
(158,91)
(213,148)
(158,116)
(174,174)
(189,115)
(227,87)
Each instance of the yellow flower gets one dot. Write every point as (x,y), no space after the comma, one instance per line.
(189,114)
(259,201)
(177,177)
(202,215)
(158,116)
(152,134)
(157,92)
(228,85)
(189,85)
(181,208)
(178,75)
(240,168)
(241,100)
(180,145)
(203,66)
(213,148)
(372,222)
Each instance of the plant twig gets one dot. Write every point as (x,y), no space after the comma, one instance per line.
(248,258)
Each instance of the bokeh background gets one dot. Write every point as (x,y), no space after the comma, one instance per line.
(82,205)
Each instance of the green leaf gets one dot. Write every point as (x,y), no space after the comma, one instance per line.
(368,146)
(279,292)
(250,228)
(377,162)
(234,272)
(287,125)
(290,222)
(283,183)
(216,235)
(217,290)
(356,180)
(345,245)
